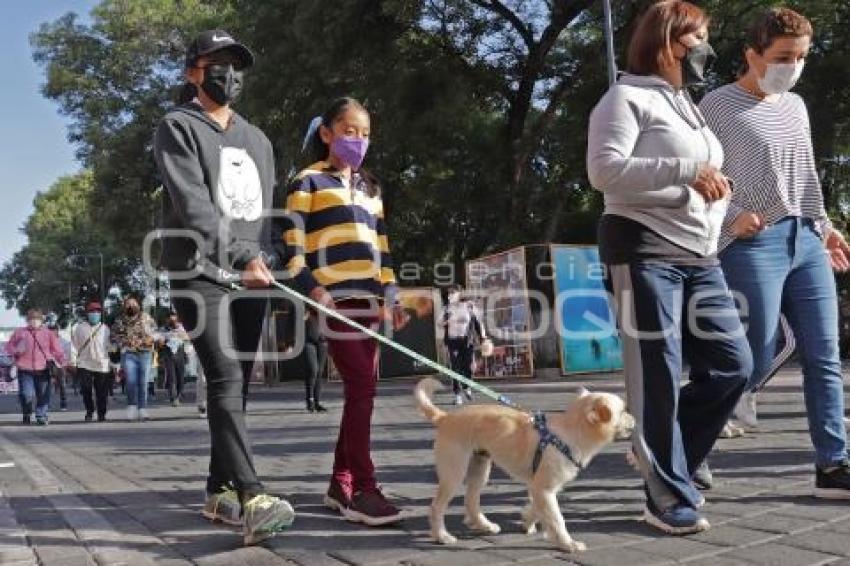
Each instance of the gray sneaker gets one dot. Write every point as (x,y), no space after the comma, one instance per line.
(264,516)
(223,507)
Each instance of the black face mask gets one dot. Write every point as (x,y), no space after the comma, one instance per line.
(222,83)
(697,61)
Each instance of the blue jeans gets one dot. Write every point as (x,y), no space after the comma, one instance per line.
(666,313)
(136,366)
(785,269)
(34,386)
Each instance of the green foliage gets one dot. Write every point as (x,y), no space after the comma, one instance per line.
(479,107)
(62,232)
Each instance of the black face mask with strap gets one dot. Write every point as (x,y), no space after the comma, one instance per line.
(697,61)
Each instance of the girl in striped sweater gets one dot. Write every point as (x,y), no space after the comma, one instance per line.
(339,255)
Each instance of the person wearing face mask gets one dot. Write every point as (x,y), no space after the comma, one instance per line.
(134,331)
(335,239)
(461,323)
(653,156)
(90,341)
(33,348)
(779,249)
(218,171)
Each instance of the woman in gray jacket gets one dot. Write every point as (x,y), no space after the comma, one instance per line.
(657,163)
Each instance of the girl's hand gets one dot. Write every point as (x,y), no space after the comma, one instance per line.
(748,224)
(839,250)
(321,296)
(711,183)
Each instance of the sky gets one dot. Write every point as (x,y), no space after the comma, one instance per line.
(34,149)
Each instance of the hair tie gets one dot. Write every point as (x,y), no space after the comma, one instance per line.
(311,131)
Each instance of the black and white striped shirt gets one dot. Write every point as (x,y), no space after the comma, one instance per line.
(769,156)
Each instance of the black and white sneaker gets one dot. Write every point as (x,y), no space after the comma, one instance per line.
(833,482)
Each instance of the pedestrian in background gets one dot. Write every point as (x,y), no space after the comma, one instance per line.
(37,354)
(134,332)
(90,341)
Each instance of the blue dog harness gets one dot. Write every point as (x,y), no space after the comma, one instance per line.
(547,437)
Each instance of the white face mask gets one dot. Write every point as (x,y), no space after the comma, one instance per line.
(454,297)
(780,77)
(35,323)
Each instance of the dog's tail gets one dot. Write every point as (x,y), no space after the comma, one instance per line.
(423,393)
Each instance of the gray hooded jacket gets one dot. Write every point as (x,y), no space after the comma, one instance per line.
(646,142)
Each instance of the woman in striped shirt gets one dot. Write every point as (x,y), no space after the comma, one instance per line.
(339,255)
(778,246)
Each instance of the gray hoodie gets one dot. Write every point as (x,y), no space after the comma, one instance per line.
(646,141)
(220,182)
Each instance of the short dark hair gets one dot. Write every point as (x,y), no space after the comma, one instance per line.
(772,24)
(659,26)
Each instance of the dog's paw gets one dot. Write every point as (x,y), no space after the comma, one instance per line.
(572,546)
(445,538)
(482,525)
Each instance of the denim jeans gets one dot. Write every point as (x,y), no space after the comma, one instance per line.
(667,313)
(34,386)
(136,366)
(785,269)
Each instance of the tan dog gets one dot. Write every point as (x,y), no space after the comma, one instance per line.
(470,439)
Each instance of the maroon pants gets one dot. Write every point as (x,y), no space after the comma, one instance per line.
(356,357)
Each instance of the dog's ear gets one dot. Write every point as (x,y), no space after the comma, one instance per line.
(601,413)
(583,392)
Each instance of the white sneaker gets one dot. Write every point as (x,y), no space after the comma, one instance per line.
(132,413)
(746,410)
(458,399)
(143,415)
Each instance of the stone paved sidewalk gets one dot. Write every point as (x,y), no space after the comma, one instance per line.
(130,493)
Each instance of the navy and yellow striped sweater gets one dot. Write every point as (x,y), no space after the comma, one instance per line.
(336,236)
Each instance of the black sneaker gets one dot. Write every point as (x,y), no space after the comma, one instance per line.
(833,484)
(89,417)
(27,420)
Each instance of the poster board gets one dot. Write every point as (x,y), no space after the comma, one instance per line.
(497,285)
(419,333)
(589,341)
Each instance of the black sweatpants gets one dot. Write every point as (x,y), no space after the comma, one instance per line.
(220,333)
(97,382)
(316,355)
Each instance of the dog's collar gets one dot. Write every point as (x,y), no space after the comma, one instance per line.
(548,437)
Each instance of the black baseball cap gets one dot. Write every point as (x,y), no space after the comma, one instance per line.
(215,40)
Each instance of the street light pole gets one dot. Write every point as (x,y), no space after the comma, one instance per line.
(102,288)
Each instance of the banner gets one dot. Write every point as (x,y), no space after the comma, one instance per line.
(586,325)
(419,333)
(497,285)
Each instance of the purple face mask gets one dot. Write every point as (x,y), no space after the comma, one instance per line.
(350,150)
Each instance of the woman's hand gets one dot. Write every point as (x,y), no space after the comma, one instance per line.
(839,250)
(710,183)
(748,224)
(321,296)
(257,275)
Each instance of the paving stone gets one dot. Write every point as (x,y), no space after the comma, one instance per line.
(727,535)
(821,540)
(627,555)
(772,523)
(782,555)
(677,548)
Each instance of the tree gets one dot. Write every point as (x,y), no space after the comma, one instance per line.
(62,226)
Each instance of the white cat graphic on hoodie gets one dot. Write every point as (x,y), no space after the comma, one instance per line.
(239,193)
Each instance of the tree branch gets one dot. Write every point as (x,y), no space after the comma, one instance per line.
(497,7)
